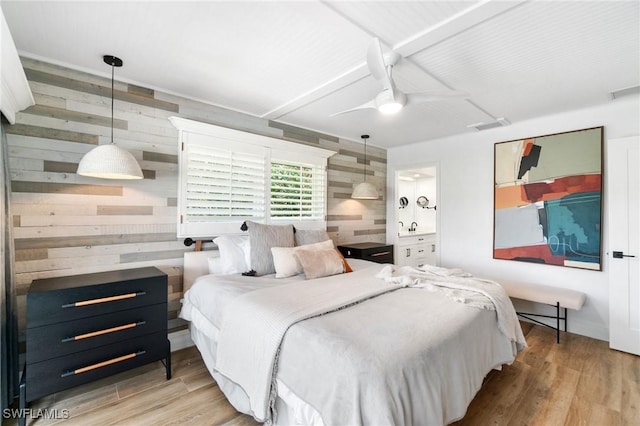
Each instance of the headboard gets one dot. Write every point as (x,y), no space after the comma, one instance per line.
(195,265)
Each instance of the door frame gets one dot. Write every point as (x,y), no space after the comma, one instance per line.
(625,269)
(392,228)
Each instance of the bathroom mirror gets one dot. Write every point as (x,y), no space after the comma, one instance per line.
(418,186)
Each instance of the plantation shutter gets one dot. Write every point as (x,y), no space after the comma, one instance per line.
(228,176)
(298,192)
(222,187)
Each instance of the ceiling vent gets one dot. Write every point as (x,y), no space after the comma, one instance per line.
(634,90)
(500,122)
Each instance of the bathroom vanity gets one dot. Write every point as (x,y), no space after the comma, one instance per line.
(415,249)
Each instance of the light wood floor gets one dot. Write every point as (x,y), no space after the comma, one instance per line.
(578,382)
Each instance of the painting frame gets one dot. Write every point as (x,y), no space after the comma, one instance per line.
(548,199)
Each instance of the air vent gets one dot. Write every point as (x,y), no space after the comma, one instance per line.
(634,90)
(484,126)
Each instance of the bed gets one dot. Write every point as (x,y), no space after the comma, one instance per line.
(378,345)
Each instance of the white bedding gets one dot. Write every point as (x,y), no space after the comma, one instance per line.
(412,356)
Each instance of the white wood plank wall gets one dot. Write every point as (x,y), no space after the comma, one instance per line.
(65,224)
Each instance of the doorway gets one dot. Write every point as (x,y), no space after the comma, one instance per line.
(416,216)
(623,189)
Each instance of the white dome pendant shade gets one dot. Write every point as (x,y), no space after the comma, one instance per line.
(365,190)
(110,161)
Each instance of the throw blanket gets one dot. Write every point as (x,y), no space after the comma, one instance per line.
(429,276)
(255,323)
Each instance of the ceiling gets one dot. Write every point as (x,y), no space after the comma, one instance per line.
(299,62)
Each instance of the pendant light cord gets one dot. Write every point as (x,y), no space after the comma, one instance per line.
(112,78)
(364,170)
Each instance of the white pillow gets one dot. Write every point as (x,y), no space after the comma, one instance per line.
(286,262)
(235,252)
(215,265)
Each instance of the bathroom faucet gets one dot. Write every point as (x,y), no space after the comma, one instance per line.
(413,228)
(401,224)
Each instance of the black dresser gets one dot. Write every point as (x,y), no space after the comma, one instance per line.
(84,327)
(375,252)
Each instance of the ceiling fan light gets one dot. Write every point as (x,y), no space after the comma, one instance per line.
(109,162)
(390,102)
(365,191)
(390,107)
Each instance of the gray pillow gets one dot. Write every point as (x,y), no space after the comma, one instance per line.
(262,238)
(310,236)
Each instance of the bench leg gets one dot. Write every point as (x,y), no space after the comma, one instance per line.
(557,317)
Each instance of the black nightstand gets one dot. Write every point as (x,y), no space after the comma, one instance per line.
(375,252)
(84,327)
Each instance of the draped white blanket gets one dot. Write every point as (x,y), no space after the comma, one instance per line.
(465,288)
(257,322)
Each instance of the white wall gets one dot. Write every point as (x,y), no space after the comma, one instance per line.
(465,205)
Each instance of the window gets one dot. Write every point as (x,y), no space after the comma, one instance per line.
(297,191)
(227,176)
(222,184)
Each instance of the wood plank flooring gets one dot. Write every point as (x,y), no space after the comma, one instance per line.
(577,382)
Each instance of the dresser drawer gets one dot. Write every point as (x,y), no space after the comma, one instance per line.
(368,251)
(56,374)
(416,239)
(51,301)
(385,256)
(52,341)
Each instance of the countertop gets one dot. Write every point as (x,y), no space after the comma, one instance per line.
(414,233)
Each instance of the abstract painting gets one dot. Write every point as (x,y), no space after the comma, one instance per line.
(548,199)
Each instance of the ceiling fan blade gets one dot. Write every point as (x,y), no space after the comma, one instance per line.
(375,60)
(367,105)
(432,96)
(391,100)
(377,66)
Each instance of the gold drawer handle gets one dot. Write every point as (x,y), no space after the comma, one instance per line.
(104,299)
(102,364)
(382,253)
(105,331)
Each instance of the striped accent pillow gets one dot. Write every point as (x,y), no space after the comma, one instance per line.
(310,236)
(262,238)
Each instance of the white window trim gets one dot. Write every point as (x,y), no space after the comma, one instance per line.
(277,148)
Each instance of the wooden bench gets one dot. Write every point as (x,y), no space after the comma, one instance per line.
(561,298)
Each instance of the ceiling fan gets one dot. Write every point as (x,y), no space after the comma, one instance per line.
(391,99)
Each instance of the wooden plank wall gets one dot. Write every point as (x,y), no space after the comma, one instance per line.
(66,224)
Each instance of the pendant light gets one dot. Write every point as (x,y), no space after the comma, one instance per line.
(109,161)
(365,190)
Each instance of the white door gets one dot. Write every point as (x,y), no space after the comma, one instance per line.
(623,192)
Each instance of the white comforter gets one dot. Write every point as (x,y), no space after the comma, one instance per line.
(413,356)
